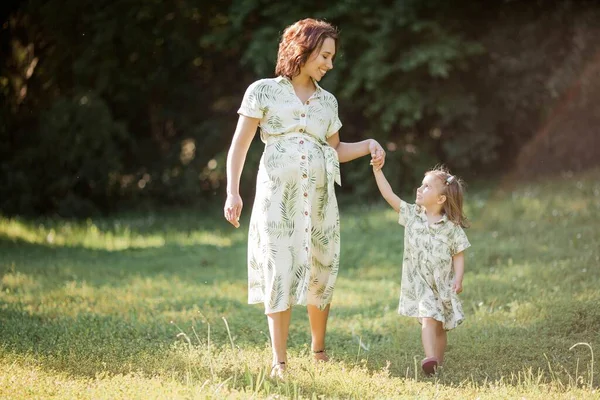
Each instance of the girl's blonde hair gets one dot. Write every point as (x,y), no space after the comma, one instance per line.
(453,189)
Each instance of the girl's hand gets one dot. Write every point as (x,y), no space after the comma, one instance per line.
(233,209)
(457,286)
(377,154)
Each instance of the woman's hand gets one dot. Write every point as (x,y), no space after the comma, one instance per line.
(233,209)
(377,154)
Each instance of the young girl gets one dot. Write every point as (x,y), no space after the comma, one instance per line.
(434,261)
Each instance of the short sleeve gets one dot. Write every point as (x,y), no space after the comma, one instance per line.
(334,124)
(460,242)
(251,106)
(407,212)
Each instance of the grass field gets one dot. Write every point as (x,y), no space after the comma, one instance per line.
(154,306)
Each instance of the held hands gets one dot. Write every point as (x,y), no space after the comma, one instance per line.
(457,286)
(233,209)
(377,155)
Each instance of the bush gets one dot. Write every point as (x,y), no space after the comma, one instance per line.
(71,164)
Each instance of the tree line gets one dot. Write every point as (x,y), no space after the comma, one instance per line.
(121,104)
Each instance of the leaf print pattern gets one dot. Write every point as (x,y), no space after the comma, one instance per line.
(275,122)
(320,290)
(293,239)
(330,106)
(319,240)
(266,205)
(320,266)
(271,256)
(254,264)
(280,229)
(328,293)
(288,202)
(335,264)
(277,293)
(293,257)
(427,273)
(322,197)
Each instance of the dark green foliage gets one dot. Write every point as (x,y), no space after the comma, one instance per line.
(435,81)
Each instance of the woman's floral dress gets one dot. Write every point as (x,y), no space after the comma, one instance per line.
(294,234)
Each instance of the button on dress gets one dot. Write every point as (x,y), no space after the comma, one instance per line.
(427,271)
(294,234)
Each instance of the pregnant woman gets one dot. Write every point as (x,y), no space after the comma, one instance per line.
(294,235)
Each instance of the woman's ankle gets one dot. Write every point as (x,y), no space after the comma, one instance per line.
(320,355)
(278,370)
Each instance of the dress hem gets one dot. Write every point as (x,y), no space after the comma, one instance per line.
(444,324)
(290,306)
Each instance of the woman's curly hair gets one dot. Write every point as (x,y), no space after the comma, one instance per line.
(299,41)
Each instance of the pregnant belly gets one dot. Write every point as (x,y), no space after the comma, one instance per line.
(292,160)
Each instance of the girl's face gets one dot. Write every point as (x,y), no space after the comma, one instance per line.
(320,61)
(430,192)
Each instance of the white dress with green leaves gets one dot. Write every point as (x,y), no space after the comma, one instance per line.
(427,272)
(294,234)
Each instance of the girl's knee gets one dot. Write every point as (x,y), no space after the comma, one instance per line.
(431,323)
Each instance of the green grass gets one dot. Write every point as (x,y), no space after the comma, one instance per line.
(140,307)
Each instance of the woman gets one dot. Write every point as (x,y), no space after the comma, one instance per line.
(294,239)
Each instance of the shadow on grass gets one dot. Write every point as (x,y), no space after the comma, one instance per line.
(86,345)
(481,352)
(101,267)
(89,343)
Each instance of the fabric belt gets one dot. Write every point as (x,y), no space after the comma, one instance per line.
(332,163)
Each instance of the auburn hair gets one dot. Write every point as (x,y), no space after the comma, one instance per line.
(453,188)
(298,41)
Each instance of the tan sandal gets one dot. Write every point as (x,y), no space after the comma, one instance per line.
(320,356)
(278,370)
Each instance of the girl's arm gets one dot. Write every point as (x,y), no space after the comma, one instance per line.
(236,157)
(386,190)
(351,151)
(458,262)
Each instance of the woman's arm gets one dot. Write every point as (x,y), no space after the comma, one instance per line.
(351,151)
(386,190)
(236,157)
(458,263)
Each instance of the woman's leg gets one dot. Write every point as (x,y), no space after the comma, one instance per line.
(279,327)
(318,328)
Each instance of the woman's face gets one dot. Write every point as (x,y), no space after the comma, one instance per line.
(320,61)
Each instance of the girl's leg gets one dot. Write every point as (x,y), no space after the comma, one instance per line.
(429,336)
(279,327)
(318,327)
(440,343)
